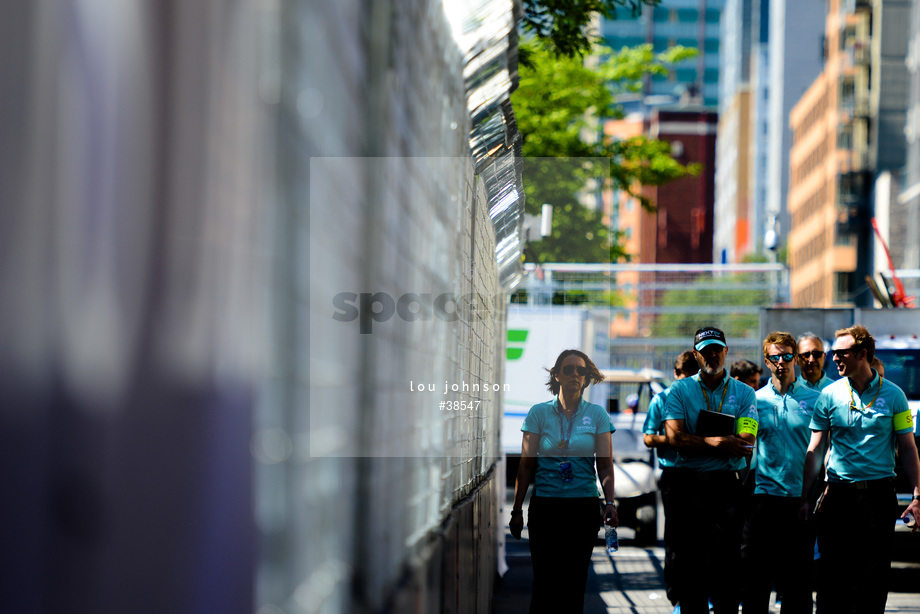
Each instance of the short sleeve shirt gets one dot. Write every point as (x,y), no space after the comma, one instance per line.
(654,425)
(782,438)
(689,396)
(822,383)
(548,421)
(862,440)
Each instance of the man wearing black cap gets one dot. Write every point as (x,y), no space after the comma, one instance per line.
(711,420)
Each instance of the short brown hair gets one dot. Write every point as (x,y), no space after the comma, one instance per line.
(686,363)
(593,377)
(779,337)
(862,340)
(743,369)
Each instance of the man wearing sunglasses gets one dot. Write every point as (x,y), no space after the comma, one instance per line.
(861,417)
(811,362)
(705,534)
(778,548)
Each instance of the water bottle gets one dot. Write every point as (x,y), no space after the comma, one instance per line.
(909,520)
(610,534)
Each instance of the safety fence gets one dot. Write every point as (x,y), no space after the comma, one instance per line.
(654,310)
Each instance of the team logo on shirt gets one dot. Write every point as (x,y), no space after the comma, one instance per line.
(880,403)
(585,425)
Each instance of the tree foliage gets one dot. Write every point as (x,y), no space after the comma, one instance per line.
(557,106)
(709,294)
(563,24)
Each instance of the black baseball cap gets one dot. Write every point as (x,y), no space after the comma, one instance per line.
(707,336)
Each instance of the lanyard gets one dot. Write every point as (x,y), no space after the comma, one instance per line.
(871,403)
(705,396)
(565,434)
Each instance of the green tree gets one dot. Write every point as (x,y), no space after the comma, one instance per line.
(562,24)
(556,107)
(739,291)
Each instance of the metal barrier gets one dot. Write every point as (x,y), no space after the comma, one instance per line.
(654,309)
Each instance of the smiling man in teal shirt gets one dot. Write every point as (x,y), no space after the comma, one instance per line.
(861,416)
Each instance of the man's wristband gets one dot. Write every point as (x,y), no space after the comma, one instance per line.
(515,512)
(608,503)
(916,498)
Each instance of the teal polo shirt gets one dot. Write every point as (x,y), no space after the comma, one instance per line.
(548,421)
(782,438)
(654,425)
(688,397)
(862,440)
(823,383)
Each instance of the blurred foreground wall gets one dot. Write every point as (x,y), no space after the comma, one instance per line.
(195,414)
(396,160)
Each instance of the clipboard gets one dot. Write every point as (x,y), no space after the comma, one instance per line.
(715,424)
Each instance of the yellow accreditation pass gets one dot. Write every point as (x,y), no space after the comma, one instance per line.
(746,425)
(903,421)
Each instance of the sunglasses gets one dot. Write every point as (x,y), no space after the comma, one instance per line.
(569,369)
(816,354)
(839,353)
(775,358)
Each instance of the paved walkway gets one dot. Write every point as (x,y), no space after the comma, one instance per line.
(631,582)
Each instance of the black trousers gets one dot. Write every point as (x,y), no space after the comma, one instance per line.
(777,548)
(563,533)
(704,531)
(668,504)
(855,533)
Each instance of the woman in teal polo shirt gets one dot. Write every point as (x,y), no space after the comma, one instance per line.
(563,439)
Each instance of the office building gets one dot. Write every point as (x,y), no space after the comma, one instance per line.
(839,126)
(690,23)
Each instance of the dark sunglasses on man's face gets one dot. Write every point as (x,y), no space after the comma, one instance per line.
(774,358)
(841,353)
(569,369)
(816,354)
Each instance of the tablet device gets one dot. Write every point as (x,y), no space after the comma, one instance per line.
(715,424)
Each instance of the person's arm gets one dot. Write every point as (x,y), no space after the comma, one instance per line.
(603,454)
(733,445)
(526,469)
(814,460)
(908,448)
(651,428)
(678,437)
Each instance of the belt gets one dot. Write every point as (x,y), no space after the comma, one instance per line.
(707,476)
(864,484)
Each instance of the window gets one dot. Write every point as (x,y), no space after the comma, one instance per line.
(627,41)
(686,75)
(713,15)
(843,287)
(687,15)
(711,45)
(711,75)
